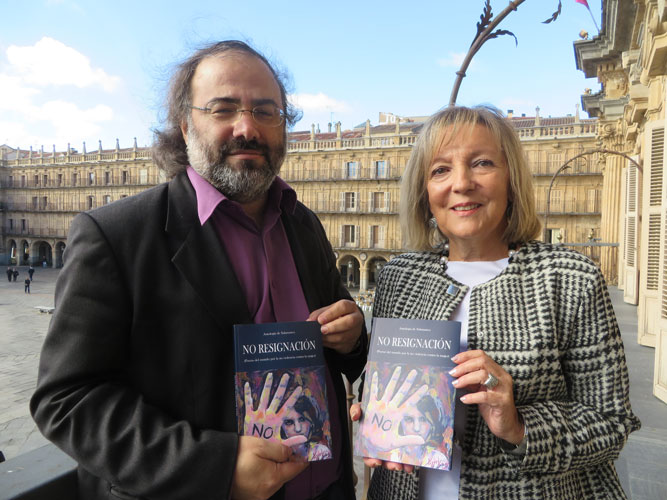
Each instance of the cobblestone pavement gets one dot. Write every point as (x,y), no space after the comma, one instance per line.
(642,465)
(22,330)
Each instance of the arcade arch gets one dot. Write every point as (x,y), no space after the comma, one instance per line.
(348,265)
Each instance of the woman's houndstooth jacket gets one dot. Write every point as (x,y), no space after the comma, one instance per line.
(547,319)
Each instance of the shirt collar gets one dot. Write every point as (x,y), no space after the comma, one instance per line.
(281,196)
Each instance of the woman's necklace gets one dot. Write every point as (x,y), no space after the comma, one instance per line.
(444,255)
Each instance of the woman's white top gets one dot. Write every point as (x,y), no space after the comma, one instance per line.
(439,484)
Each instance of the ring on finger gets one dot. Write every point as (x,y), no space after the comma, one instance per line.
(491,381)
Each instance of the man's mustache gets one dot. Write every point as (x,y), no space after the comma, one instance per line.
(243,144)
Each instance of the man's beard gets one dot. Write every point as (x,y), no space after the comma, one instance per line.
(243,182)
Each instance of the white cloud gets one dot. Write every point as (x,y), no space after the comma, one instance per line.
(14,93)
(318,102)
(50,62)
(453,60)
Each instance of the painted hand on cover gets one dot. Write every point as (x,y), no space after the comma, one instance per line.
(382,418)
(266,420)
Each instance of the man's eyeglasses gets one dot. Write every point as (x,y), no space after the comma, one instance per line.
(228,113)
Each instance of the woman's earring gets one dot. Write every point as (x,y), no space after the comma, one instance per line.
(432,223)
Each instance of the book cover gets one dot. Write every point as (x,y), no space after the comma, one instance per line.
(281,386)
(408,402)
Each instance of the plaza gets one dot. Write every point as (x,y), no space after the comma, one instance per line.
(642,465)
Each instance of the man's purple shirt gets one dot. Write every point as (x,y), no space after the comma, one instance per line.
(264,266)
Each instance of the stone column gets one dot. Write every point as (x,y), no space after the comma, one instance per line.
(611,203)
(363,272)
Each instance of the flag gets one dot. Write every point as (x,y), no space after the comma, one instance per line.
(585,4)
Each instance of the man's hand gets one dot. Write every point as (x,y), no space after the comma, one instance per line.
(262,467)
(341,325)
(266,420)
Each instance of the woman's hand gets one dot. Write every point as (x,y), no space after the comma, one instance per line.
(496,406)
(355,415)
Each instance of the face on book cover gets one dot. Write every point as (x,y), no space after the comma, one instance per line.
(415,422)
(296,424)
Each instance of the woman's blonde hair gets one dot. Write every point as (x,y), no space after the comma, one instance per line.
(522,221)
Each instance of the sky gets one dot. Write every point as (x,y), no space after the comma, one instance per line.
(75,71)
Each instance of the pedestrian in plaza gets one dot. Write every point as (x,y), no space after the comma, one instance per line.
(136,377)
(31,271)
(15,274)
(546,407)
(27,285)
(10,273)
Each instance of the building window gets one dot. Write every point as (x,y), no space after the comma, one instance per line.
(124,177)
(349,201)
(376,237)
(381,169)
(91,178)
(75,179)
(45,203)
(23,225)
(37,180)
(91,202)
(45,180)
(60,179)
(10,181)
(35,201)
(11,224)
(107,178)
(351,169)
(349,235)
(379,202)
(23,181)
(107,199)
(556,204)
(143,176)
(322,201)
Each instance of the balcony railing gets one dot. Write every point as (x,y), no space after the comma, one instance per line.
(292,173)
(51,206)
(364,207)
(549,168)
(60,159)
(42,474)
(570,207)
(389,141)
(32,232)
(385,245)
(151,179)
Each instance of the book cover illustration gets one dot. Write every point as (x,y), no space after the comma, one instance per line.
(281,386)
(408,402)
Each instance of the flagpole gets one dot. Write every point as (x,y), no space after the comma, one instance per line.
(593,17)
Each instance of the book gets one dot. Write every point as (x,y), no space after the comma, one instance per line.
(281,386)
(409,400)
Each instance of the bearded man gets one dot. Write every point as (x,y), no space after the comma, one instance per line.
(136,378)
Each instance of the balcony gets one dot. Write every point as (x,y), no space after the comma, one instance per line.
(364,207)
(385,245)
(548,169)
(570,207)
(42,474)
(292,172)
(387,141)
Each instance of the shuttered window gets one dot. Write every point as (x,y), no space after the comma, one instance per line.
(653,261)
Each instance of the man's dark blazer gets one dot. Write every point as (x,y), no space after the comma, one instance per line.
(136,374)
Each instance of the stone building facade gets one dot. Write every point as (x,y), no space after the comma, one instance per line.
(41,192)
(349,178)
(629,59)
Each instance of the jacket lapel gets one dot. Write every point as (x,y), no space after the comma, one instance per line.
(303,244)
(201,258)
